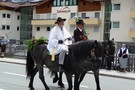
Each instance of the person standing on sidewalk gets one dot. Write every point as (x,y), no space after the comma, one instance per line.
(4,42)
(123,57)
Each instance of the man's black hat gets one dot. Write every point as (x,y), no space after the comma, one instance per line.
(60,19)
(80,22)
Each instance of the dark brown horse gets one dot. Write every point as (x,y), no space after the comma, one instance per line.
(77,61)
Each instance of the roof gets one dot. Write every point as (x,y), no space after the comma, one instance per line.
(44,1)
(16,5)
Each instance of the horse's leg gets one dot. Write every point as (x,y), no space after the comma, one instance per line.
(81,77)
(41,76)
(35,70)
(76,83)
(56,78)
(60,83)
(96,74)
(69,80)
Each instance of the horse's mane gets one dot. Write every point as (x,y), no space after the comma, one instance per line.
(81,50)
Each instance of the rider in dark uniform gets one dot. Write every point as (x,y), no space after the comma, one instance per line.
(79,34)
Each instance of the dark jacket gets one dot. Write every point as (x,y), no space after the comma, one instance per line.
(78,35)
(121,53)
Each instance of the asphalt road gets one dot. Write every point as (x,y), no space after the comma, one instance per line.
(12,77)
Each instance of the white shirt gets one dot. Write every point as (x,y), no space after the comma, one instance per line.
(127,52)
(80,29)
(57,34)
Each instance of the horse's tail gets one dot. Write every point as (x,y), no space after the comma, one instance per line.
(29,65)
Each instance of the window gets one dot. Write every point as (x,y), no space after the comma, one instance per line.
(54,3)
(83,15)
(18,28)
(96,28)
(97,14)
(18,17)
(61,3)
(4,15)
(75,2)
(8,15)
(115,24)
(3,27)
(66,2)
(8,27)
(48,28)
(38,28)
(58,2)
(116,7)
(73,14)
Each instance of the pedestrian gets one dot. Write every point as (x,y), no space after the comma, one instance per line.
(4,42)
(123,58)
(79,33)
(59,38)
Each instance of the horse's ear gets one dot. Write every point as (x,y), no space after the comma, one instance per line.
(96,42)
(108,39)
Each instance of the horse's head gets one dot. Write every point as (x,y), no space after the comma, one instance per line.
(85,49)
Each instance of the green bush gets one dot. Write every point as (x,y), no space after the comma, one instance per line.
(31,43)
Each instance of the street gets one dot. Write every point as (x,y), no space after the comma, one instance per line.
(12,77)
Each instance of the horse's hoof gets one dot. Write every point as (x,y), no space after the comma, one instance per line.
(55,80)
(32,88)
(61,85)
(47,89)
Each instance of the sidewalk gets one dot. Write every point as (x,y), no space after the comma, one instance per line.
(103,72)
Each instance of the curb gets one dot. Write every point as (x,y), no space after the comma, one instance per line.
(115,76)
(13,62)
(90,72)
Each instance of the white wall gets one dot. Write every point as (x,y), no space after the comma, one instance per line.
(13,22)
(43,31)
(121,34)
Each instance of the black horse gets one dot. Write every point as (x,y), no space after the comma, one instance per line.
(77,61)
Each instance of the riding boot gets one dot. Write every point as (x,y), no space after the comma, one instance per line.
(61,68)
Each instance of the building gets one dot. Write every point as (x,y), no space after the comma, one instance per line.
(123,20)
(104,18)
(91,11)
(16,21)
(10,21)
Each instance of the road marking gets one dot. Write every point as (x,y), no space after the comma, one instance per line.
(80,85)
(1,89)
(15,74)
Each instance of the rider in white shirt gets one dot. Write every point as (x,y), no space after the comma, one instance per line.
(59,38)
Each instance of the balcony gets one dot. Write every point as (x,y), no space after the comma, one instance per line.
(89,21)
(44,19)
(131,33)
(132,13)
(89,18)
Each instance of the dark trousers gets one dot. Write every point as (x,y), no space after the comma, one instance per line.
(3,48)
(110,59)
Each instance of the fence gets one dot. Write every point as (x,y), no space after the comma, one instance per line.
(20,51)
(16,51)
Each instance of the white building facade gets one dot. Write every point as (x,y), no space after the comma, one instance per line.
(123,20)
(10,24)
